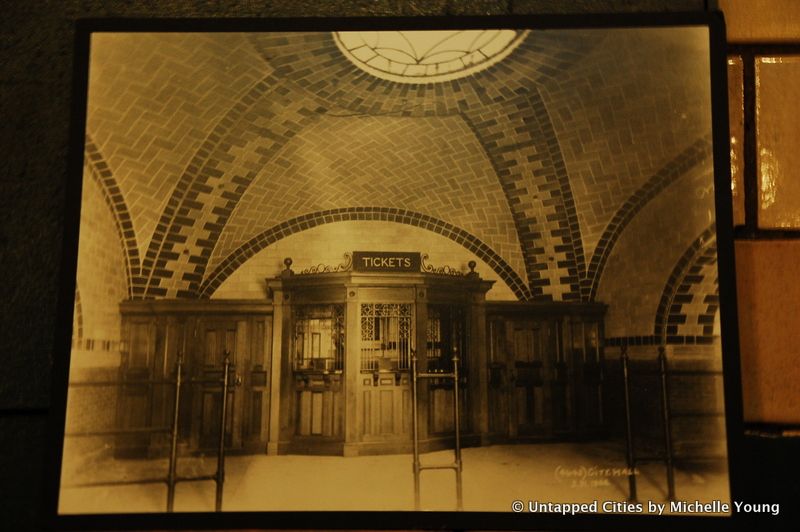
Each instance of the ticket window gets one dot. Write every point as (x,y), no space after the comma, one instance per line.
(319,338)
(387,333)
(318,353)
(386,336)
(446,329)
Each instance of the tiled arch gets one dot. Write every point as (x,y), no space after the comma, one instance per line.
(505,110)
(692,283)
(208,190)
(100,171)
(77,319)
(698,152)
(307,221)
(326,72)
(519,138)
(529,161)
(182,200)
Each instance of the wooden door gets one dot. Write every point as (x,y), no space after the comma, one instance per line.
(528,390)
(586,352)
(498,378)
(217,339)
(135,403)
(537,378)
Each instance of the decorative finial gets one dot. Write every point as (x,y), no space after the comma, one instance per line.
(288,263)
(471,264)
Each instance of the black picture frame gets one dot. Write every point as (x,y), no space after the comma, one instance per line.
(401,520)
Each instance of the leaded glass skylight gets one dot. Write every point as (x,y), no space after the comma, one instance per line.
(426,56)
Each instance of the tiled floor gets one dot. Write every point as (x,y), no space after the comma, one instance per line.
(494,476)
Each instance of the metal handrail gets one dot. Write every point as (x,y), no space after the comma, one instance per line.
(457,463)
(668,457)
(172,478)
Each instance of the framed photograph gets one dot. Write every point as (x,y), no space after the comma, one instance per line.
(391,273)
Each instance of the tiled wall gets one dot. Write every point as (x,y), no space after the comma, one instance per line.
(327,244)
(650,248)
(417,164)
(555,173)
(101,285)
(102,279)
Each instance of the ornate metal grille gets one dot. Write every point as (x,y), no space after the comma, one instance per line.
(386,333)
(319,338)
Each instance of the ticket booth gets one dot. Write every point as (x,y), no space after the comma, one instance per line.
(343,342)
(322,365)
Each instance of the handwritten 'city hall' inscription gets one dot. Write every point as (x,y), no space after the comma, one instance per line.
(386,261)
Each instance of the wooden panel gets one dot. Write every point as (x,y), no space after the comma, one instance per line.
(209,420)
(367,416)
(229,346)
(386,411)
(386,295)
(304,425)
(538,405)
(256,414)
(155,342)
(316,413)
(523,345)
(405,423)
(559,405)
(210,352)
(522,405)
(327,415)
(140,346)
(338,411)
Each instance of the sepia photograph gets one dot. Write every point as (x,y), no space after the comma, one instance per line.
(399,270)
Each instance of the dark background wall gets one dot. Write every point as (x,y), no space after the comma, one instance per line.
(37,47)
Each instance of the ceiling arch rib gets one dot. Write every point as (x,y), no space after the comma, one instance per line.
(102,174)
(153,99)
(520,140)
(697,153)
(387,214)
(191,234)
(415,163)
(690,298)
(561,262)
(208,191)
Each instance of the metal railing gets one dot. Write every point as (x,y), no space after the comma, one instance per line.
(668,458)
(171,479)
(456,465)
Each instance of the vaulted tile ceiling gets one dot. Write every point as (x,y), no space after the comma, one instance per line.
(205,143)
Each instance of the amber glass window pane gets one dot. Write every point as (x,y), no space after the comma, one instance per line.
(778,141)
(736,122)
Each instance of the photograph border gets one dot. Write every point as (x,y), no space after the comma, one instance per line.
(390,519)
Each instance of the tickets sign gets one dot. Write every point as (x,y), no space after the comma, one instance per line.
(386,261)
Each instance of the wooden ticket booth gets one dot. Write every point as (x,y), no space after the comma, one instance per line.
(322,365)
(342,347)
